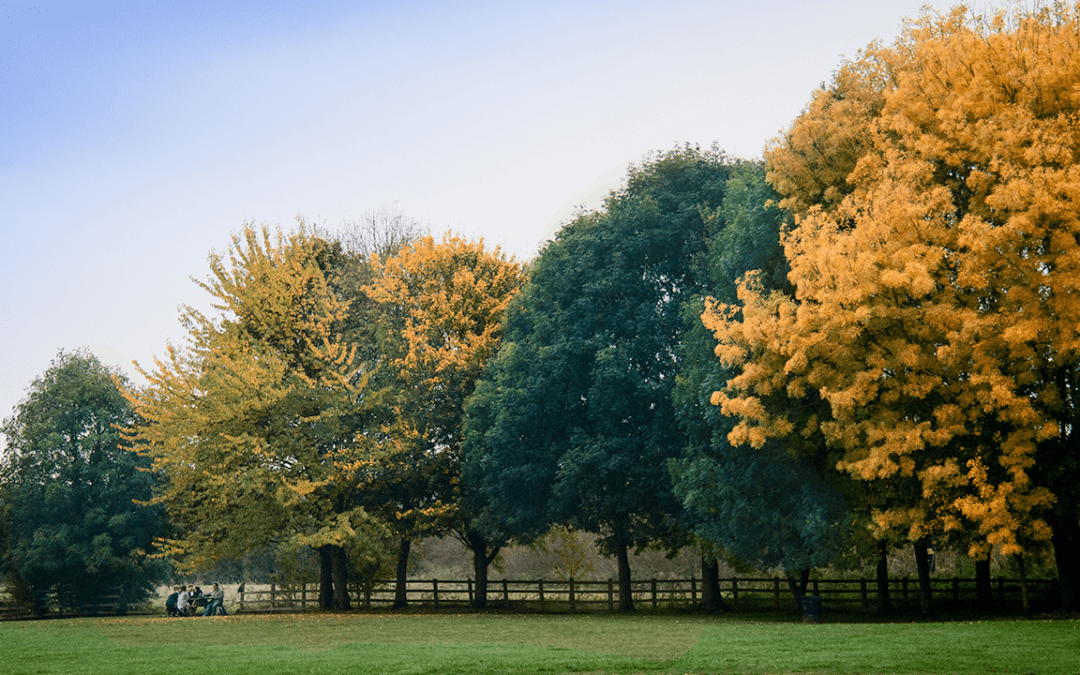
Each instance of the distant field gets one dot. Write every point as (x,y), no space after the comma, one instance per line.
(416,643)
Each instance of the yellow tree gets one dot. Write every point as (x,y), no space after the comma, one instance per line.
(935,260)
(242,424)
(439,313)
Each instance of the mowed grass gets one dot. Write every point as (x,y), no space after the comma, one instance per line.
(500,643)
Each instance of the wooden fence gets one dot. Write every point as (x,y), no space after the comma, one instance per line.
(110,602)
(573,596)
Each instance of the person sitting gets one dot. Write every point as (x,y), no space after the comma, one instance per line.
(217,602)
(198,601)
(182,603)
(170,602)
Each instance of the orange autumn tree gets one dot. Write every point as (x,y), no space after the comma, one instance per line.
(439,314)
(243,422)
(933,336)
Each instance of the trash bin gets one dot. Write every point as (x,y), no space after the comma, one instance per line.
(811,609)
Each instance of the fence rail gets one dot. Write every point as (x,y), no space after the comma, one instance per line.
(571,595)
(50,603)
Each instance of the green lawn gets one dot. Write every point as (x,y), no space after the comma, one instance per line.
(497,643)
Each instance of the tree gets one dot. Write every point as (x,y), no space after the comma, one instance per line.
(438,313)
(935,311)
(769,507)
(384,232)
(246,423)
(71,495)
(574,423)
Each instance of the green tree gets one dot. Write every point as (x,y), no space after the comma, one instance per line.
(574,422)
(768,507)
(72,497)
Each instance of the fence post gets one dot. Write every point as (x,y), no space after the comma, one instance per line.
(540,587)
(240,590)
(693,590)
(862,592)
(435,591)
(303,596)
(776,592)
(570,593)
(654,593)
(506,594)
(273,595)
(734,590)
(469,586)
(610,595)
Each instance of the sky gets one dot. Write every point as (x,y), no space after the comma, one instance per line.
(136,137)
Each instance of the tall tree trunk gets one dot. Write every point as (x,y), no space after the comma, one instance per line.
(339,564)
(1064,524)
(711,599)
(984,587)
(401,597)
(482,558)
(884,599)
(797,585)
(922,565)
(626,598)
(326,578)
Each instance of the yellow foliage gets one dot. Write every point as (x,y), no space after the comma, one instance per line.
(936,264)
(240,423)
(440,307)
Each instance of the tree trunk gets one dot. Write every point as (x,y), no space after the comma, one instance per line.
(1025,600)
(626,598)
(401,598)
(1065,528)
(711,599)
(326,578)
(481,561)
(984,588)
(339,564)
(798,585)
(922,564)
(884,599)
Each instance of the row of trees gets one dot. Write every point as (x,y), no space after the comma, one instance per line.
(866,340)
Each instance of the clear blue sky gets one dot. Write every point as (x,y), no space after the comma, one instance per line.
(136,136)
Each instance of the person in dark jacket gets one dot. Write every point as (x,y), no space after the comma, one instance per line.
(170,602)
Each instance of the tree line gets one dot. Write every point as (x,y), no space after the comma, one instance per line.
(867,339)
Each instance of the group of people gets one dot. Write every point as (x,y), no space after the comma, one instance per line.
(181,602)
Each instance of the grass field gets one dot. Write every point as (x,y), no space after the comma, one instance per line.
(498,643)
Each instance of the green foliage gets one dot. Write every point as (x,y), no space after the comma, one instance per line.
(572,550)
(71,493)
(574,422)
(763,506)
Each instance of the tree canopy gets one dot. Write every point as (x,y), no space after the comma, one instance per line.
(574,422)
(438,310)
(72,497)
(935,184)
(244,424)
(768,506)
